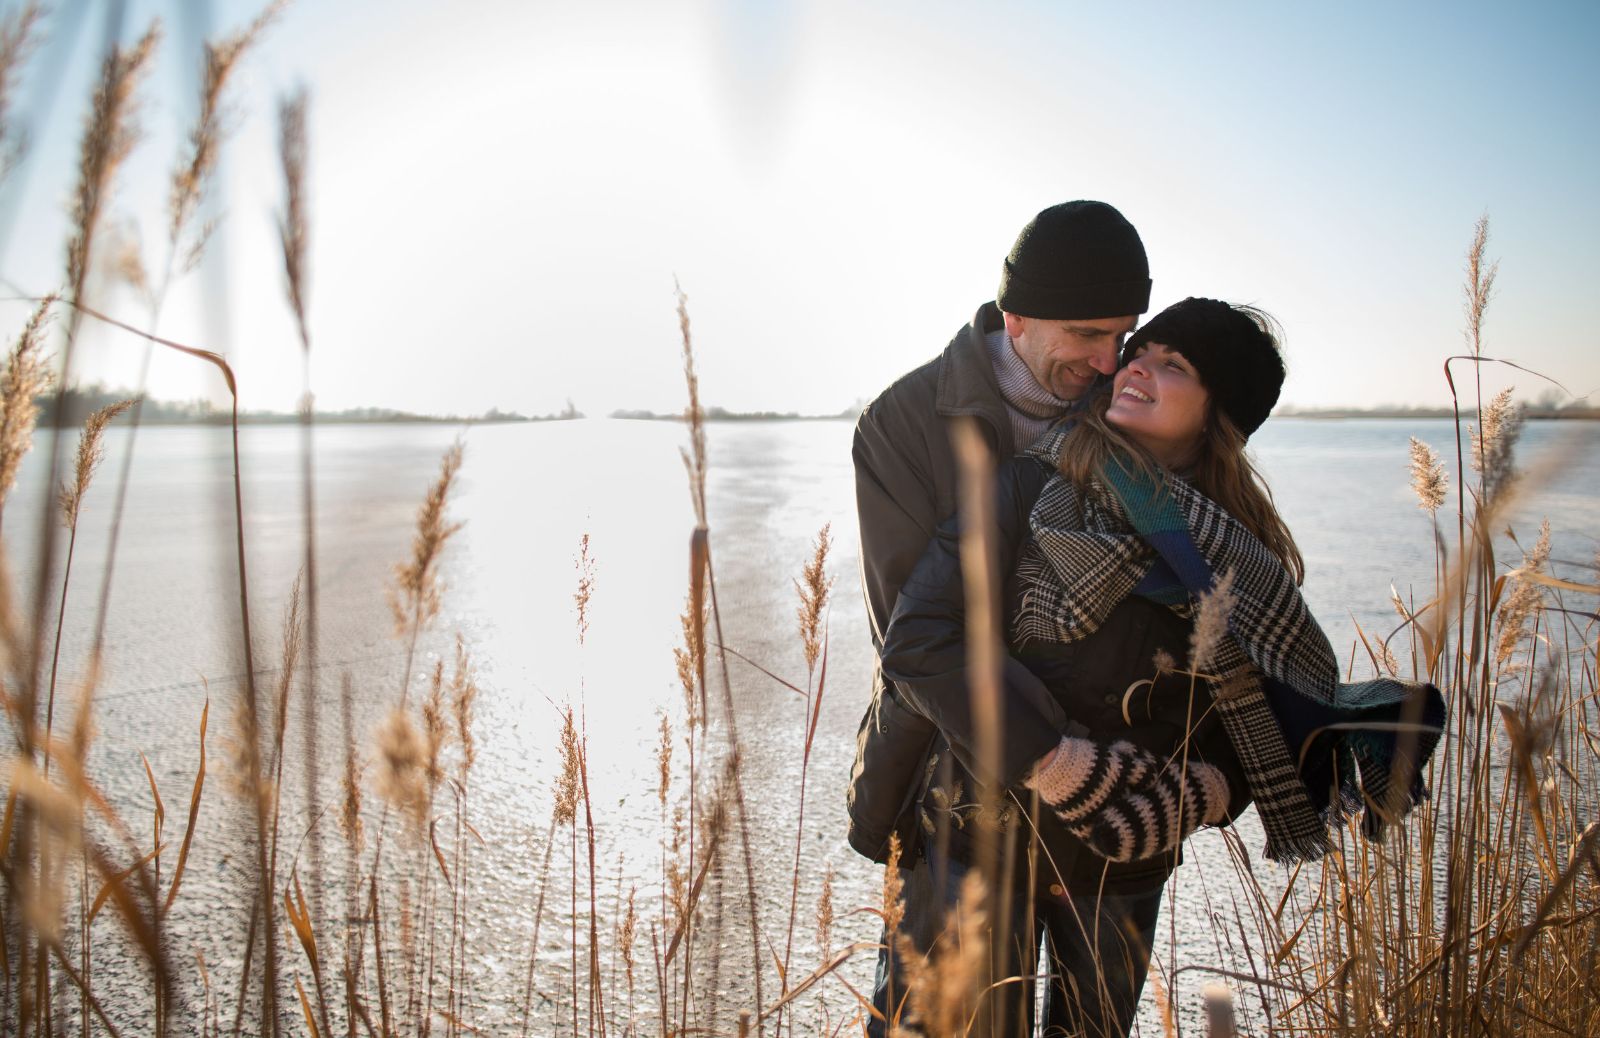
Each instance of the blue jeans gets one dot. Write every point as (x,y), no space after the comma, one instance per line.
(1097,949)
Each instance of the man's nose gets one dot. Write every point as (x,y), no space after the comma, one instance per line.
(1104,358)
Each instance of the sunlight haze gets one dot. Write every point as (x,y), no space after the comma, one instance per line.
(503,193)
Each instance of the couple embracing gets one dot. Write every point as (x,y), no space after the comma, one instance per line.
(1124,498)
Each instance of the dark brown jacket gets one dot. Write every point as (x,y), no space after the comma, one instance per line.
(906,484)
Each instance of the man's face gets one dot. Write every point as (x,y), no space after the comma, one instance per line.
(1066,356)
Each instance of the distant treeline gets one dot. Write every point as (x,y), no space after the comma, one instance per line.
(722,414)
(80,402)
(1535,410)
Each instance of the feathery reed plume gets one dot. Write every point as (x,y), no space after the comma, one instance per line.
(292,225)
(690,660)
(942,988)
(1523,601)
(17,41)
(1493,441)
(892,911)
(694,457)
(415,596)
(401,756)
(126,262)
(813,587)
(1428,480)
(197,164)
(434,729)
(350,815)
(585,566)
(566,801)
(1211,621)
(1479,285)
(664,761)
(825,914)
(417,592)
(91,452)
(27,375)
(107,140)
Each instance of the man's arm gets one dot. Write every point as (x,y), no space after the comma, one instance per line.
(895,506)
(924,651)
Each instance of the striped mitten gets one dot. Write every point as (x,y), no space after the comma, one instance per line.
(1118,798)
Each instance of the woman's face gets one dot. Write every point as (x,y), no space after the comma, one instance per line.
(1157,399)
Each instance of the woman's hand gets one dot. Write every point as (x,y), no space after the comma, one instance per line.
(1120,800)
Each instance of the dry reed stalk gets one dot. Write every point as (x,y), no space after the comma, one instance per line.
(538,918)
(191,180)
(416,594)
(351,828)
(108,137)
(568,790)
(91,452)
(293,235)
(813,589)
(701,567)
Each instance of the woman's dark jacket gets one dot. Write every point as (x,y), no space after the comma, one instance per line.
(1050,689)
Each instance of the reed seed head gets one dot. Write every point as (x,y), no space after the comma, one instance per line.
(825,914)
(894,905)
(27,375)
(350,812)
(293,231)
(813,587)
(942,988)
(18,36)
(1523,601)
(585,566)
(401,759)
(198,162)
(566,805)
(664,761)
(1211,621)
(434,729)
(1427,476)
(417,592)
(694,456)
(1479,287)
(690,660)
(463,697)
(626,931)
(107,139)
(91,451)
(1493,441)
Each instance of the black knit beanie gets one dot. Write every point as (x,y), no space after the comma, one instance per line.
(1076,261)
(1232,349)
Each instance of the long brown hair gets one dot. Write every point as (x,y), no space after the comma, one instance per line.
(1221,471)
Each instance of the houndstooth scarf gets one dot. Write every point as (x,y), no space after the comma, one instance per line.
(1277,681)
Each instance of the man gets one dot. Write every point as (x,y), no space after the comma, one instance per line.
(1070,291)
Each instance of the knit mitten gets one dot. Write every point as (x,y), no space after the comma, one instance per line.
(1123,803)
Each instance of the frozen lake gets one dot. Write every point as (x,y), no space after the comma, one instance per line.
(528,493)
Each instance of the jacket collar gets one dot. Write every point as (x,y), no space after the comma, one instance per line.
(967,384)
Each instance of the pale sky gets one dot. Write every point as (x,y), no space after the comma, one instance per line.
(502,193)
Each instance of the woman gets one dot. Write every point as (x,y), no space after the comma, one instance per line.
(1108,530)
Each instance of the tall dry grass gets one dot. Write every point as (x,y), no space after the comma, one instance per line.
(1479,915)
